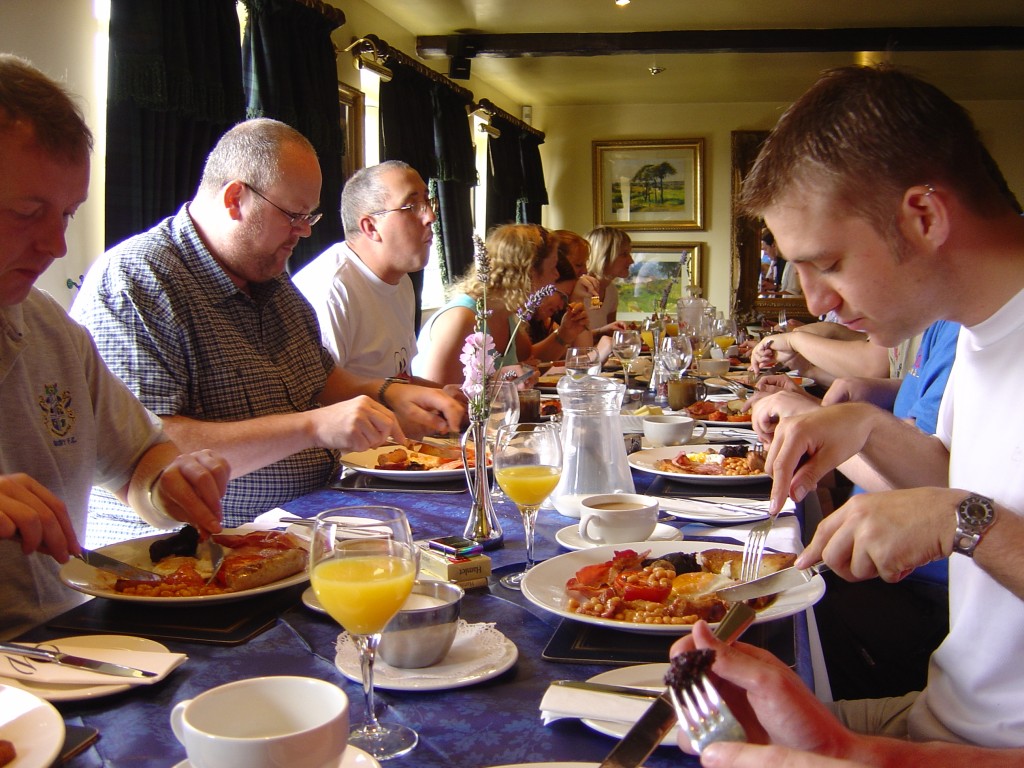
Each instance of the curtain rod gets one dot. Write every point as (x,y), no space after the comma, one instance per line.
(329,12)
(387,51)
(525,127)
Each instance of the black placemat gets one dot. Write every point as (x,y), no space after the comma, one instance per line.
(663,486)
(351,480)
(220,623)
(575,642)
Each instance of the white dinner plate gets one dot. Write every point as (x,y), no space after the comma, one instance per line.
(700,509)
(650,676)
(366,463)
(569,537)
(56,692)
(472,659)
(544,585)
(353,757)
(34,727)
(644,461)
(87,579)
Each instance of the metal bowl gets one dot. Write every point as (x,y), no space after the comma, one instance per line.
(421,634)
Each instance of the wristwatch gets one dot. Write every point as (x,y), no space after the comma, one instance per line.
(384,387)
(974,516)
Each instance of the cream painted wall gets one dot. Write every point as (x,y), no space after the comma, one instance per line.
(567,157)
(60,38)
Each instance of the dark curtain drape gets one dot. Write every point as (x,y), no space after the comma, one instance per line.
(515,177)
(456,177)
(174,86)
(291,75)
(424,123)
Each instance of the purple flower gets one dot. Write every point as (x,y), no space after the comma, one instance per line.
(482,260)
(525,312)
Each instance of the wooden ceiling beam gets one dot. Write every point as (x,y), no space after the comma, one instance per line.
(501,46)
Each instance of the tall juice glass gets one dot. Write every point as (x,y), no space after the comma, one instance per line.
(362,565)
(527,465)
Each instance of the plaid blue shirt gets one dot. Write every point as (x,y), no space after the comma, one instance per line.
(173,326)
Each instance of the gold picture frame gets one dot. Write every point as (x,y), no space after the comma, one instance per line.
(664,179)
(657,266)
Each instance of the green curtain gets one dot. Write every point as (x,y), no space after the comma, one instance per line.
(290,74)
(174,86)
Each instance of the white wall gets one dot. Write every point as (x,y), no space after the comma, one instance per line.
(60,38)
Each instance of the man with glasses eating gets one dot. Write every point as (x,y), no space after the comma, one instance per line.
(199,319)
(360,288)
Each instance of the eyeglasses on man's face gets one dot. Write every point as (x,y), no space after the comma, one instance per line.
(419,209)
(294,219)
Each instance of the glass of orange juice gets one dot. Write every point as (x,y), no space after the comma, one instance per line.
(362,565)
(527,465)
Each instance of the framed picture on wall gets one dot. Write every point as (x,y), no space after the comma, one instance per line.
(649,184)
(661,272)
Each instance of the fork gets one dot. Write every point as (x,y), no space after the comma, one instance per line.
(706,716)
(753,549)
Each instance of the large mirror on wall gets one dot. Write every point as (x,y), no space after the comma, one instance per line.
(750,301)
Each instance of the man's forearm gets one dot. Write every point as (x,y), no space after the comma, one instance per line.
(248,445)
(903,455)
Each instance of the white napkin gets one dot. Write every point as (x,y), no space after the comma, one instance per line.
(706,506)
(46,673)
(561,701)
(477,648)
(268,521)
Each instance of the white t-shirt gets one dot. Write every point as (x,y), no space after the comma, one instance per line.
(975,689)
(790,280)
(366,323)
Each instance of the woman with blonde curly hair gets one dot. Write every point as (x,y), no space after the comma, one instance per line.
(522,260)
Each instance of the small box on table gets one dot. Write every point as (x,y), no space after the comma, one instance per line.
(458,569)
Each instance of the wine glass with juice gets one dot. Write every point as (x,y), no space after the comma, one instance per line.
(362,565)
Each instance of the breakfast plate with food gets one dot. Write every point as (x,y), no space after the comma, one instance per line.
(704,464)
(415,462)
(610,586)
(31,730)
(255,563)
(713,412)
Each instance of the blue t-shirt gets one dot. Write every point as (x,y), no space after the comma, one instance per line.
(922,387)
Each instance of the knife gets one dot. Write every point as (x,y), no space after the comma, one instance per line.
(772,583)
(57,657)
(618,690)
(648,732)
(117,567)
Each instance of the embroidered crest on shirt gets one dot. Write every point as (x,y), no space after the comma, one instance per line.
(58,415)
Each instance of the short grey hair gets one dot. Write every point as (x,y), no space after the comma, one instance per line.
(365,193)
(250,151)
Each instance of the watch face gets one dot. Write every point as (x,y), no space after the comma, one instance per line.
(975,512)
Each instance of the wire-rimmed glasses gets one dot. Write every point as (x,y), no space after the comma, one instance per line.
(430,204)
(294,218)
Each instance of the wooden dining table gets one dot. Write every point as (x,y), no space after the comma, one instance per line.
(495,722)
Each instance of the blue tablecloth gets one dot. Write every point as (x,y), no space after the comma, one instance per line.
(492,723)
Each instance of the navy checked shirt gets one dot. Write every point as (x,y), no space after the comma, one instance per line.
(170,323)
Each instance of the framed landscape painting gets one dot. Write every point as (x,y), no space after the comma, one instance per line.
(649,184)
(661,273)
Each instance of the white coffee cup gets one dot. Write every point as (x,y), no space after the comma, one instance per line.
(615,518)
(671,429)
(264,722)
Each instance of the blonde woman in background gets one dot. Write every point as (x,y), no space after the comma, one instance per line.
(522,260)
(610,258)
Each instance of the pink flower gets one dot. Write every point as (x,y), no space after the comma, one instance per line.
(478,366)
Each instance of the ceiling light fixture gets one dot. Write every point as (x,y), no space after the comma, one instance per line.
(622,3)
(370,60)
(655,69)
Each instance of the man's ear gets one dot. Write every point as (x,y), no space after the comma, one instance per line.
(924,216)
(231,198)
(368,228)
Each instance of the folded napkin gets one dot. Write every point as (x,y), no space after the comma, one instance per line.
(45,673)
(268,521)
(560,702)
(708,507)
(476,649)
